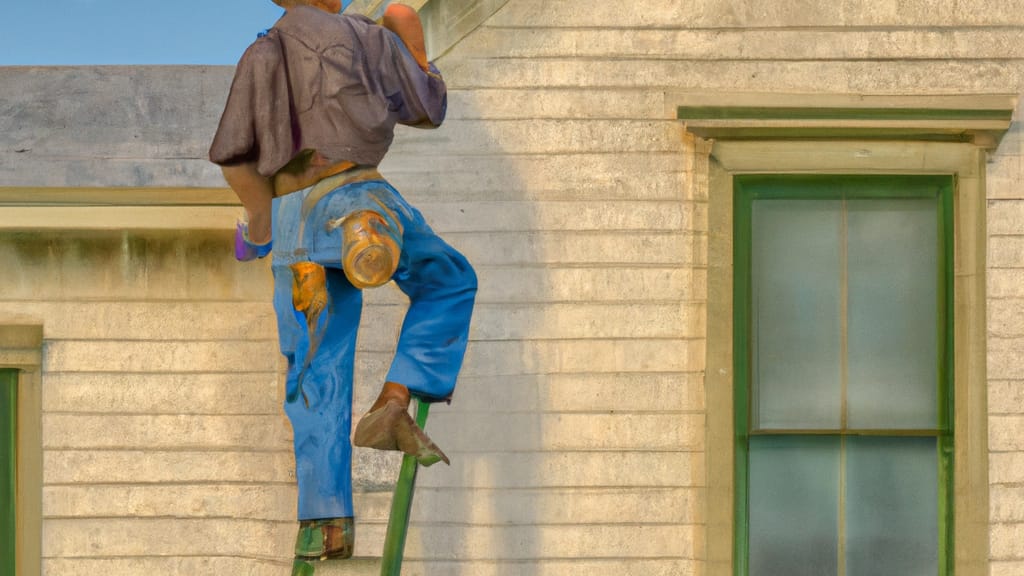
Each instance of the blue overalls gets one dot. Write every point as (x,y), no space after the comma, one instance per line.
(441,287)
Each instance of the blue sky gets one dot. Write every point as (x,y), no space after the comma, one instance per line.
(73,32)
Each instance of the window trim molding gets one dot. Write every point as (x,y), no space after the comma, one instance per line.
(980,119)
(21,349)
(966,162)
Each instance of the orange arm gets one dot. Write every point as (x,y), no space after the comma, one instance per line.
(256,193)
(405,22)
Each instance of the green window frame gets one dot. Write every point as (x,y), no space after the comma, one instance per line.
(748,188)
(8,469)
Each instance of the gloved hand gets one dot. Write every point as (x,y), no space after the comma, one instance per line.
(246,251)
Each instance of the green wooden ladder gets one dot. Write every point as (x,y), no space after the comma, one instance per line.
(401,506)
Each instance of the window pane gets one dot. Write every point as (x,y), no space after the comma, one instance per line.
(794,505)
(891,506)
(893,306)
(796,308)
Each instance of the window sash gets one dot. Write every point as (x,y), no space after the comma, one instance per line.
(748,188)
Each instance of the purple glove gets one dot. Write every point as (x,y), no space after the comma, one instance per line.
(245,250)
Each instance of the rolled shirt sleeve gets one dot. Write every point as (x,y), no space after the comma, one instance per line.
(418,97)
(256,125)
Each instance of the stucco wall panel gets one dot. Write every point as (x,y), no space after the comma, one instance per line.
(571,103)
(1006,468)
(586,393)
(145,466)
(108,537)
(737,13)
(1005,251)
(161,566)
(1001,568)
(259,502)
(220,393)
(1007,541)
(732,44)
(535,136)
(1005,397)
(880,77)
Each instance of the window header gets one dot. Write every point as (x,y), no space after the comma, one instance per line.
(978,119)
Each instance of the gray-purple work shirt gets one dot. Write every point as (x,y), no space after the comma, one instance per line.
(331,83)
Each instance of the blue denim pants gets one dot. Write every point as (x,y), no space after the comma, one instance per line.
(441,287)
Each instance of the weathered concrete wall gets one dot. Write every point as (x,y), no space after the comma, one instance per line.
(577,433)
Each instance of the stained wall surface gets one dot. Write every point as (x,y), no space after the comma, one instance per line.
(578,432)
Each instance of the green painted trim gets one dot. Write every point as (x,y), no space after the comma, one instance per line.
(742,210)
(959,135)
(839,113)
(8,470)
(401,506)
(946,393)
(830,187)
(750,187)
(893,432)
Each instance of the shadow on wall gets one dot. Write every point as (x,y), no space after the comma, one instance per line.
(478,517)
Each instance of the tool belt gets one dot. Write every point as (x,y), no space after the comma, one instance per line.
(300,173)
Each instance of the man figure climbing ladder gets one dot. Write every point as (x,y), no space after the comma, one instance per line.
(311,113)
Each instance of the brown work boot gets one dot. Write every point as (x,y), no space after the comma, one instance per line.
(326,538)
(388,426)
